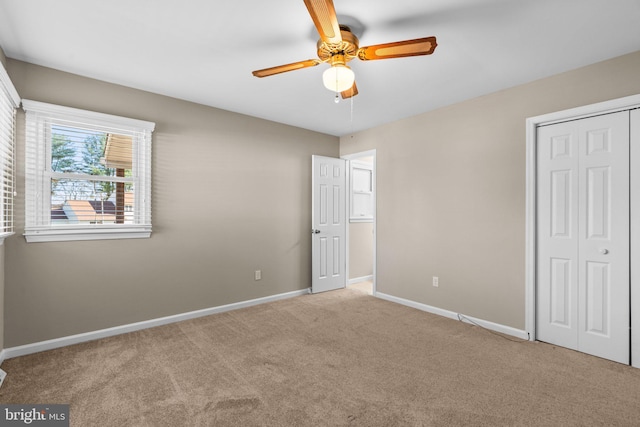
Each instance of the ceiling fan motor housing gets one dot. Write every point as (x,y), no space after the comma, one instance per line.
(347,48)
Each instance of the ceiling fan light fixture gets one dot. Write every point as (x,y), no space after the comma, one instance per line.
(338,45)
(338,78)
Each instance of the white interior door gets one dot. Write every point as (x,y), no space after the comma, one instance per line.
(329,225)
(583,235)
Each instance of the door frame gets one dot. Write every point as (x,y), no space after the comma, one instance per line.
(349,158)
(532,123)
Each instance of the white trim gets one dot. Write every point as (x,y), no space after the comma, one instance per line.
(4,236)
(532,123)
(349,157)
(503,329)
(530,231)
(37,347)
(634,187)
(353,220)
(92,117)
(605,107)
(67,235)
(361,279)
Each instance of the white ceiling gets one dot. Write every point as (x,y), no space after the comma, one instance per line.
(204,50)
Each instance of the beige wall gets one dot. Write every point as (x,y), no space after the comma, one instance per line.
(360,249)
(451,191)
(231,194)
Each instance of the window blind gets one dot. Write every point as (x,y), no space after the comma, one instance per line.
(87,174)
(9,101)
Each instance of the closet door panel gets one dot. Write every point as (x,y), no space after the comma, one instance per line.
(603,244)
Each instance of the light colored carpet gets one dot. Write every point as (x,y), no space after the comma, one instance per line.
(366,287)
(333,359)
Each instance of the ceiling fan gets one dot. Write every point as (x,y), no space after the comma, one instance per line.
(338,45)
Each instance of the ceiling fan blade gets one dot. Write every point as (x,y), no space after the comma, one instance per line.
(415,47)
(351,92)
(287,67)
(324,17)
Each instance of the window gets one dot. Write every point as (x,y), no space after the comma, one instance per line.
(88,175)
(361,191)
(9,101)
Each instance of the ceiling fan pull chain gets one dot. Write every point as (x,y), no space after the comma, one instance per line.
(352,114)
(337,98)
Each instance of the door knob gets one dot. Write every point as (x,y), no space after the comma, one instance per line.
(604,251)
(314,231)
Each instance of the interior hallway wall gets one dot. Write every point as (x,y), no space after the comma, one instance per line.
(360,249)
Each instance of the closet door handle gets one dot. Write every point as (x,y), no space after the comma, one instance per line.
(604,251)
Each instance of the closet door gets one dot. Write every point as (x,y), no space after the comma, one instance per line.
(557,257)
(583,235)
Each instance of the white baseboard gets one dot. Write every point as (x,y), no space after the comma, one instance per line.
(37,347)
(361,279)
(508,330)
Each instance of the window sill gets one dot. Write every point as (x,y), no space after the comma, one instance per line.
(3,236)
(67,234)
(360,219)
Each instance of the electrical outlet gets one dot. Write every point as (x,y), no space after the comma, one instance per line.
(435,281)
(3,375)
(258,275)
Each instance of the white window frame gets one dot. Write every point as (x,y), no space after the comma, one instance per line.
(38,227)
(10,101)
(354,214)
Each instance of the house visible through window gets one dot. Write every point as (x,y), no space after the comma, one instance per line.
(88,175)
(84,166)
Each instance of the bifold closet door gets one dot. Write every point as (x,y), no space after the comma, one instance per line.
(583,235)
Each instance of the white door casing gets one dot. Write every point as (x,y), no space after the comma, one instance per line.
(635,235)
(329,224)
(583,235)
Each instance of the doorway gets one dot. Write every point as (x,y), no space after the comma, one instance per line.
(361,229)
